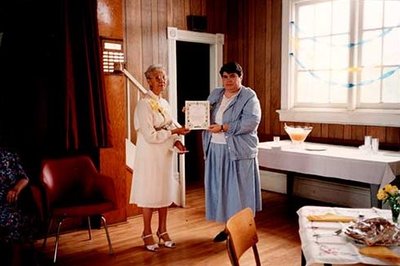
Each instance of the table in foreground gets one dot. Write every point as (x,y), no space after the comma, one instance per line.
(333,249)
(332,161)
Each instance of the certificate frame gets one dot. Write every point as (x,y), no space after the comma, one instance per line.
(197,115)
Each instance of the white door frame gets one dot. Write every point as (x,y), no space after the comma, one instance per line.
(216,42)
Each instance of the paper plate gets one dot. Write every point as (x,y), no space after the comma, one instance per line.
(315,148)
(391,154)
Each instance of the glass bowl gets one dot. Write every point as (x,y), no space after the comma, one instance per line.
(297,134)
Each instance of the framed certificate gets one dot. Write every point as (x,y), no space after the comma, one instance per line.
(197,114)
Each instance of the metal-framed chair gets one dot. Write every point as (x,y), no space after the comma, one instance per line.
(74,188)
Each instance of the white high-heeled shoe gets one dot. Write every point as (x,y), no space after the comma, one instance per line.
(167,243)
(152,247)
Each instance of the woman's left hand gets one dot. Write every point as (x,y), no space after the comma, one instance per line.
(180,146)
(215,128)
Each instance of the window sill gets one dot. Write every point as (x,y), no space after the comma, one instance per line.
(385,118)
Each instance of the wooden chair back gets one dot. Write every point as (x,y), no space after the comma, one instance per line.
(242,235)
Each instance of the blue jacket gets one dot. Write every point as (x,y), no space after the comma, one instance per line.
(243,116)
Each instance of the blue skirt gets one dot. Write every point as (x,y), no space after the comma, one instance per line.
(230,185)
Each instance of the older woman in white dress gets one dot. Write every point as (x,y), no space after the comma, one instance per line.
(153,167)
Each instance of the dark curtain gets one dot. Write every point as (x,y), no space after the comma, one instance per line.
(52,96)
(86,121)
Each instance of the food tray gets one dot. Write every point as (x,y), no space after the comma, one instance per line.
(374,232)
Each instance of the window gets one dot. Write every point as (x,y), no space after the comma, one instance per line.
(340,62)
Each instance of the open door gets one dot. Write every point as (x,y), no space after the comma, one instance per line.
(215,42)
(193,79)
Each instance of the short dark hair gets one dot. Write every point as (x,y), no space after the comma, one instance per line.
(231,67)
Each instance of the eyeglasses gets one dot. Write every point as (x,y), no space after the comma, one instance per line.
(158,78)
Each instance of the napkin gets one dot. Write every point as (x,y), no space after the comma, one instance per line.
(330,217)
(382,253)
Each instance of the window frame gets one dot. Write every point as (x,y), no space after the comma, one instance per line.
(352,114)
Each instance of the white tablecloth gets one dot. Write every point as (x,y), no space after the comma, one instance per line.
(334,249)
(343,162)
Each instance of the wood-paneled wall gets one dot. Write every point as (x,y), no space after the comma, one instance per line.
(146,33)
(252,30)
(112,160)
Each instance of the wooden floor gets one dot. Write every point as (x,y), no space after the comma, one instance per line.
(277,229)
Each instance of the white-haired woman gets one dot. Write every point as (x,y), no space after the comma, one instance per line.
(153,167)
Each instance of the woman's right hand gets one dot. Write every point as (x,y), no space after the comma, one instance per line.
(180,131)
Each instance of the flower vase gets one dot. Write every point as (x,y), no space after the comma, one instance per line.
(395,212)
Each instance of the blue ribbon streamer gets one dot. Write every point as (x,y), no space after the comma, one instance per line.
(347,85)
(349,45)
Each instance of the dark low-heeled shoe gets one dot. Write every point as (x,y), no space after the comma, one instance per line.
(222,236)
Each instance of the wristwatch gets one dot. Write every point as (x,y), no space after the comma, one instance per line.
(222,128)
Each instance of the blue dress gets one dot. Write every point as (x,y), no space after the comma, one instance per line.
(232,179)
(15,225)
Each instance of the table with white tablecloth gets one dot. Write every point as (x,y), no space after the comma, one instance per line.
(333,161)
(320,245)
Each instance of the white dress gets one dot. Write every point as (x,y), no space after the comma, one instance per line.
(152,184)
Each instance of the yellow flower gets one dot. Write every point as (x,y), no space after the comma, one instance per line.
(381,195)
(389,194)
(155,106)
(392,190)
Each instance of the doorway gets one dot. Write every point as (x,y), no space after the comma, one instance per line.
(215,44)
(193,79)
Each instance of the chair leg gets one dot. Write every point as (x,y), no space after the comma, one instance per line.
(256,255)
(48,232)
(108,236)
(89,227)
(57,240)
(232,256)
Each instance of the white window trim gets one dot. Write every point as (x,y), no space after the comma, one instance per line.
(368,117)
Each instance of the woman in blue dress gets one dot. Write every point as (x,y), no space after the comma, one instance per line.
(232,179)
(16,226)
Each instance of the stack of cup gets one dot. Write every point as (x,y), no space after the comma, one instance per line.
(367,142)
(375,145)
(371,145)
